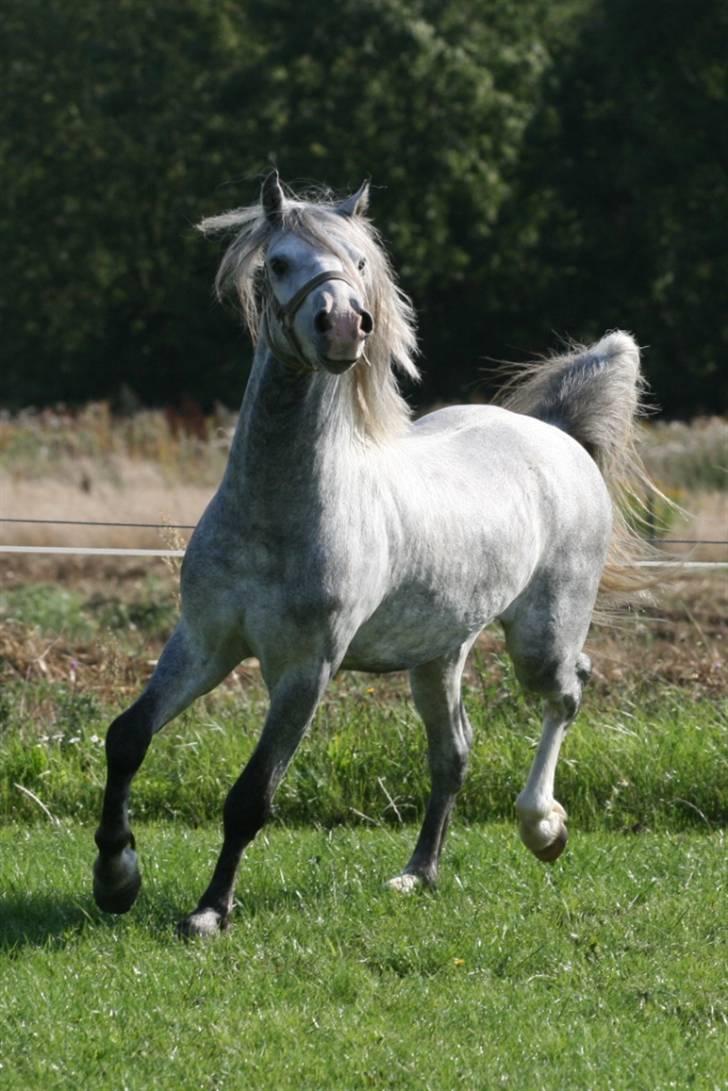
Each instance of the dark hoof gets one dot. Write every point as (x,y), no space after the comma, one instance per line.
(202,924)
(554,850)
(117,882)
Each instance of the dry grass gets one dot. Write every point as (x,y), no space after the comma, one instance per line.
(162,467)
(705,519)
(680,640)
(138,494)
(156,467)
(153,467)
(688,457)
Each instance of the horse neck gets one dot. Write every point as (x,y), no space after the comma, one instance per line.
(290,423)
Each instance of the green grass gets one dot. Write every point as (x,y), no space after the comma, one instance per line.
(605,971)
(72,615)
(642,753)
(660,761)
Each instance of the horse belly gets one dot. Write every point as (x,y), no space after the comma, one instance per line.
(451,574)
(419,624)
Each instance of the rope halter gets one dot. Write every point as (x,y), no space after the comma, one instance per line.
(285,315)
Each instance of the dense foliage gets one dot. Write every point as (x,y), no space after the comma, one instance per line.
(539,169)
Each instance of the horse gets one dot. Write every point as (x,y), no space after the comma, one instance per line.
(345,535)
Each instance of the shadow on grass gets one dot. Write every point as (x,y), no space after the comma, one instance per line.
(39,920)
(58,921)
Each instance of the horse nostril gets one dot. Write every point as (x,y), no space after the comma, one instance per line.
(366,322)
(322,322)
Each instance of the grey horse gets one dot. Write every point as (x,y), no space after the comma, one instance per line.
(343,535)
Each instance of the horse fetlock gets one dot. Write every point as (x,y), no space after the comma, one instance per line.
(113,844)
(553,851)
(117,881)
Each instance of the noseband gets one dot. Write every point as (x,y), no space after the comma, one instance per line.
(285,313)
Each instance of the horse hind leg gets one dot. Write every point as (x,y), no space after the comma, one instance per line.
(549,662)
(541,818)
(436,693)
(182,674)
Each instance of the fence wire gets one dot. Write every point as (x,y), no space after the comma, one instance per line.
(191,526)
(126,551)
(110,551)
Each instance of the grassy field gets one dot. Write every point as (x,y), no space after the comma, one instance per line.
(605,971)
(658,764)
(649,750)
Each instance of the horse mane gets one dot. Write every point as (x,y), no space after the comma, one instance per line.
(372,398)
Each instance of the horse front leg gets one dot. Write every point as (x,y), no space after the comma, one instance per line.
(182,674)
(294,699)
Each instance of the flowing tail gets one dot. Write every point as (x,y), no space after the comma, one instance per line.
(595,394)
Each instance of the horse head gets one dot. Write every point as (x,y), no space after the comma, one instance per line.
(316,293)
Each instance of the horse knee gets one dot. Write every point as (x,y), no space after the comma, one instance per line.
(458,769)
(463,744)
(466,729)
(244,816)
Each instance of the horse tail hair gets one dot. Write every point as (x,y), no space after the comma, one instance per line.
(596,395)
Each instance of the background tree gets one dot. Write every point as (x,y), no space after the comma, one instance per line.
(111,135)
(536,168)
(619,214)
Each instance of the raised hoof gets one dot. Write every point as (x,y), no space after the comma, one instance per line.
(406,883)
(117,882)
(554,850)
(203,923)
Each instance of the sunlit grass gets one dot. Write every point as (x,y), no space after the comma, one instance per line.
(659,763)
(642,752)
(607,970)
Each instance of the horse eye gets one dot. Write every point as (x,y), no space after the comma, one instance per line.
(278,266)
(361,264)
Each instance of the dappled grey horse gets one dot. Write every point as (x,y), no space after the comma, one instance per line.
(345,536)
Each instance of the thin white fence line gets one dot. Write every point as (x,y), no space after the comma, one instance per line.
(191,526)
(677,564)
(102,523)
(94,551)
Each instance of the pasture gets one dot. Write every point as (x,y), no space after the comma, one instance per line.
(606,970)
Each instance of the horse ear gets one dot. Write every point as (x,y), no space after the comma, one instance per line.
(272,197)
(357,204)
